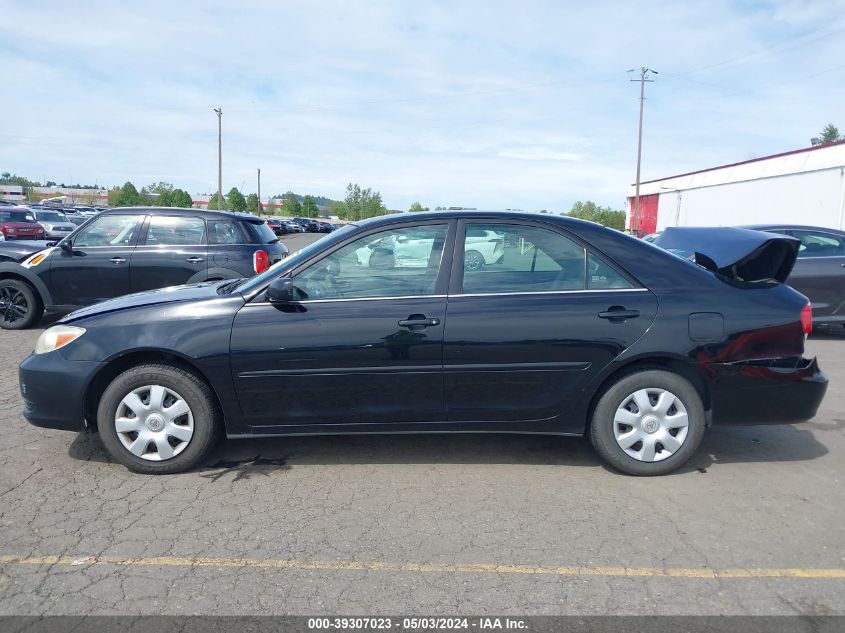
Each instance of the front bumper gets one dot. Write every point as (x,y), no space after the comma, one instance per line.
(58,235)
(775,391)
(53,390)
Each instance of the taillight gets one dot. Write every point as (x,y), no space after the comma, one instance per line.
(807,318)
(260,261)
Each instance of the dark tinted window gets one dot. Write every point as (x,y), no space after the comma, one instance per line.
(819,244)
(601,275)
(518,258)
(175,231)
(225,232)
(261,233)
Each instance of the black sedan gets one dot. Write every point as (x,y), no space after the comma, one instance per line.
(575,330)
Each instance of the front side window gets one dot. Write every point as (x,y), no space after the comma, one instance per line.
(175,231)
(109,230)
(519,258)
(394,263)
(819,244)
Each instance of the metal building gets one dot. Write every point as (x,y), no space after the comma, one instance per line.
(805,186)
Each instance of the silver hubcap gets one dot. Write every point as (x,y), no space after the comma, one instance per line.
(472,261)
(651,425)
(154,423)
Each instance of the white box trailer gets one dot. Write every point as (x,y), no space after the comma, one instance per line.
(805,186)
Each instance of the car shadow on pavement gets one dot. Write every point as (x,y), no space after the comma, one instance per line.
(721,445)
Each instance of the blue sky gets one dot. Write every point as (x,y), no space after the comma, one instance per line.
(521,104)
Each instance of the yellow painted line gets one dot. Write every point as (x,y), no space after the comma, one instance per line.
(469,568)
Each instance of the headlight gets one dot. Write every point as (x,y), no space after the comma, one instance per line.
(57,336)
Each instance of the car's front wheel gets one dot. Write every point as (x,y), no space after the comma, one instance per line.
(158,419)
(19,305)
(473,260)
(648,423)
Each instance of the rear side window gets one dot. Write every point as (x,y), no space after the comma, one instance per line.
(819,244)
(261,233)
(519,258)
(167,230)
(602,276)
(225,232)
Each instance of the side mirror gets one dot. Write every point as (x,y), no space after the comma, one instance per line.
(280,290)
(66,246)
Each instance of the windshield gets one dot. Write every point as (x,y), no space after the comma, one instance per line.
(17,216)
(51,216)
(293,260)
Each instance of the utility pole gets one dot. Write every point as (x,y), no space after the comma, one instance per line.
(219,112)
(259,191)
(635,218)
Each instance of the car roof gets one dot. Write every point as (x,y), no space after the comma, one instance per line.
(562,220)
(203,213)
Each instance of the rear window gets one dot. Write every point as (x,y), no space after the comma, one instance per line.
(261,233)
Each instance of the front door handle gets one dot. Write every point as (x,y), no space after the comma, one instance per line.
(617,314)
(418,321)
(194,260)
(117,260)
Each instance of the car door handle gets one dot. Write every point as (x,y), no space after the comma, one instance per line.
(618,313)
(117,260)
(194,260)
(419,322)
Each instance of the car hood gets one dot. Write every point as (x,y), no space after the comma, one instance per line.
(174,294)
(743,254)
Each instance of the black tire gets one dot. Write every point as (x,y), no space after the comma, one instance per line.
(602,423)
(20,305)
(207,418)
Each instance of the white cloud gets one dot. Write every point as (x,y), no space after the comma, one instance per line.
(487,104)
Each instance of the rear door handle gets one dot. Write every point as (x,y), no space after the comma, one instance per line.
(117,260)
(618,313)
(420,322)
(194,260)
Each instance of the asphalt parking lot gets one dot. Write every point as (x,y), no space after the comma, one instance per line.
(755,524)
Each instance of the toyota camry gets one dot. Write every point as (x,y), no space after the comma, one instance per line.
(570,329)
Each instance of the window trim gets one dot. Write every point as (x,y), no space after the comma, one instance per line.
(457,277)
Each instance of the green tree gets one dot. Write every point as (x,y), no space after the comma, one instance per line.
(236,200)
(214,203)
(290,204)
(181,198)
(603,215)
(362,203)
(830,134)
(125,196)
(309,207)
(416,207)
(252,204)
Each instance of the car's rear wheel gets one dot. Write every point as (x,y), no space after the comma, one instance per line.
(473,260)
(19,305)
(648,423)
(158,419)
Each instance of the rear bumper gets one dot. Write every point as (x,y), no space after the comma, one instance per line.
(53,390)
(776,391)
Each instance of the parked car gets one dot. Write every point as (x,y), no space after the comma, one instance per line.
(293,227)
(565,338)
(18,223)
(131,250)
(56,224)
(819,272)
(312,227)
(326,227)
(275,226)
